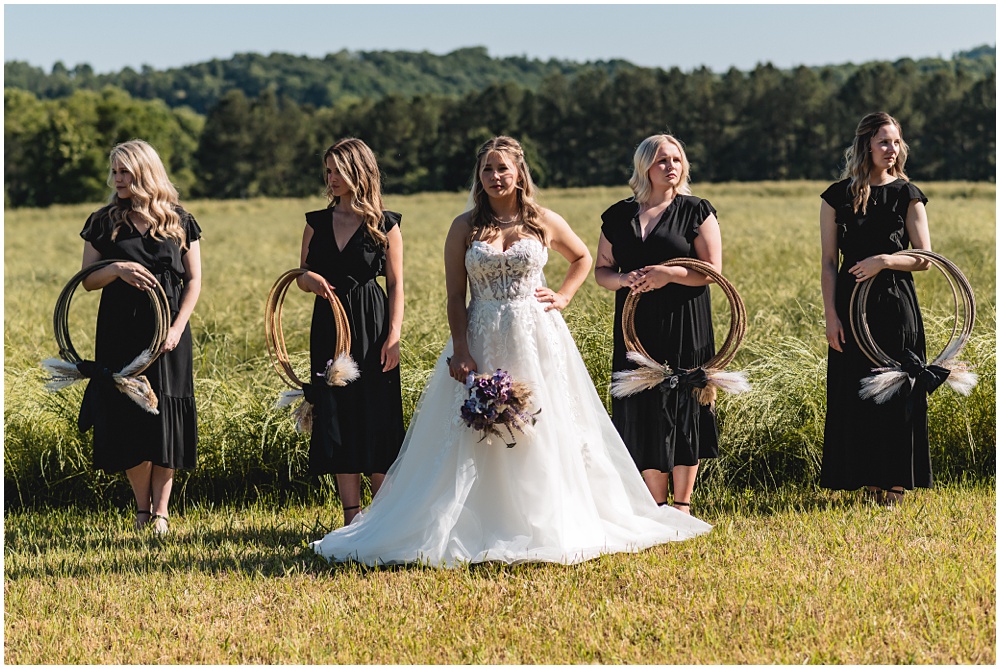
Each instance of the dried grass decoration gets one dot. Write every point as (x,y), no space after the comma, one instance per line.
(69,368)
(889,374)
(704,380)
(340,370)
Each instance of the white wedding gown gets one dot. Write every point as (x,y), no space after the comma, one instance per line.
(569,493)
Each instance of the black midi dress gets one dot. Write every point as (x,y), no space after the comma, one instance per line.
(869,444)
(663,427)
(125,435)
(357,428)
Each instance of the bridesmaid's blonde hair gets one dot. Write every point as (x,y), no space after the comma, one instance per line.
(153,200)
(358,168)
(643,159)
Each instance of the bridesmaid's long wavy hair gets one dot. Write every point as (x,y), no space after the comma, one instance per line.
(154,198)
(360,173)
(858,165)
(645,153)
(483,220)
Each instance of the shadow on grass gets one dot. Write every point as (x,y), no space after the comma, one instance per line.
(65,544)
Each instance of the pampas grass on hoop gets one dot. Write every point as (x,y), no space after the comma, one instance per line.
(66,370)
(340,370)
(651,374)
(888,376)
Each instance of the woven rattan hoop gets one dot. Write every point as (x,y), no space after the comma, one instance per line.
(962,297)
(274,335)
(60,317)
(737,311)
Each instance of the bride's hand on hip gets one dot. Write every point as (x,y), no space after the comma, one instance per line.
(550,297)
(460,366)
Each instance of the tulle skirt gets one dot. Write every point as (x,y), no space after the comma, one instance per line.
(569,492)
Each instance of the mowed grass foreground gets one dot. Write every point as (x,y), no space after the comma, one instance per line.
(790,578)
(789,574)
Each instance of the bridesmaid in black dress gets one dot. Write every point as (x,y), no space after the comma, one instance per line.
(666,430)
(152,238)
(870,214)
(357,428)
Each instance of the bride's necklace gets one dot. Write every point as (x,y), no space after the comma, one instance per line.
(506,222)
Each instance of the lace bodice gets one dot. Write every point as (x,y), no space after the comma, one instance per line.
(505,275)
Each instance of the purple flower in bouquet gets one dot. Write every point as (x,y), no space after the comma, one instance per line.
(496,400)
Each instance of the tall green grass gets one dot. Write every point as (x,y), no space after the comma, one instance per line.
(770,437)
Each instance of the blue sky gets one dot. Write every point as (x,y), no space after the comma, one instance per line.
(112,36)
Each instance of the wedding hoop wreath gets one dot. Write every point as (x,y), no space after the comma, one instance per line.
(703,380)
(340,370)
(69,368)
(889,374)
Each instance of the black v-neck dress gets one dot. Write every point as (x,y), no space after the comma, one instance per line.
(125,435)
(357,428)
(663,427)
(864,443)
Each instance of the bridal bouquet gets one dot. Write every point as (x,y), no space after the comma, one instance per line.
(497,400)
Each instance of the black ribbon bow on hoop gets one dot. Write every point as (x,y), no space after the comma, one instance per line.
(926,378)
(683,382)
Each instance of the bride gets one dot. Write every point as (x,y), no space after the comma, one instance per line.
(567,492)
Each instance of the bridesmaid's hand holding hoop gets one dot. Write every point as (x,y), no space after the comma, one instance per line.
(653,277)
(135,275)
(316,284)
(868,268)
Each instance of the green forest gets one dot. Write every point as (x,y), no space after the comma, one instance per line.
(256,125)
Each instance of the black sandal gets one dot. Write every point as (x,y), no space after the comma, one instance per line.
(352,508)
(889,500)
(139,525)
(686,505)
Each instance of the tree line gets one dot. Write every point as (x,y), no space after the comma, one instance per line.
(346,75)
(579,129)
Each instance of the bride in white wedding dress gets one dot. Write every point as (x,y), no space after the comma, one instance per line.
(568,492)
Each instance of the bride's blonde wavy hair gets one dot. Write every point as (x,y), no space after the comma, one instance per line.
(858,165)
(360,173)
(483,220)
(154,198)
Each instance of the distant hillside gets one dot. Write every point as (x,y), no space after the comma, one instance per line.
(350,76)
(320,82)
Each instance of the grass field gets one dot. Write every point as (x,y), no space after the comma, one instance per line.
(785,577)
(789,574)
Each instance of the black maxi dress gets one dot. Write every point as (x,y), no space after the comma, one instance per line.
(864,443)
(125,435)
(357,428)
(663,427)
